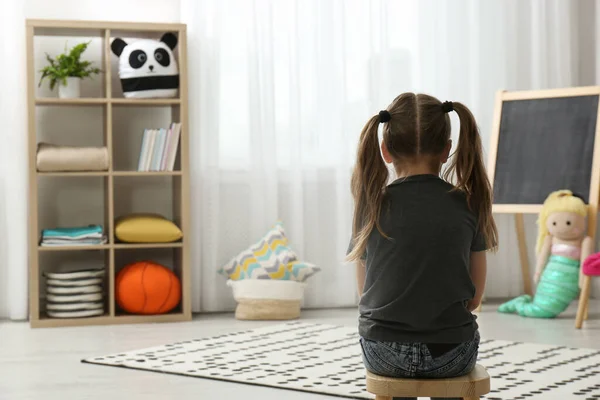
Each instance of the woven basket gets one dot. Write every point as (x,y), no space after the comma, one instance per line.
(260,299)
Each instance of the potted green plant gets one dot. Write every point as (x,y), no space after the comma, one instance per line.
(67,70)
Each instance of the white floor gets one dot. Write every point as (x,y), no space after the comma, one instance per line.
(45,363)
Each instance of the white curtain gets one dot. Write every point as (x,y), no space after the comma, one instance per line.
(279,91)
(13,162)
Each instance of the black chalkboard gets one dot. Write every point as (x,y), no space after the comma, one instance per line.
(545,145)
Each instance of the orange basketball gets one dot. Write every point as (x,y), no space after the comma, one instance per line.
(147,288)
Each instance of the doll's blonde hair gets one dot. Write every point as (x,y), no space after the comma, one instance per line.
(559,201)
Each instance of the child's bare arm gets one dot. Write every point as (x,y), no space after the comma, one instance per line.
(478,271)
(360,276)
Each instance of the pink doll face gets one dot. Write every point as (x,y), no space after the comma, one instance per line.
(566,225)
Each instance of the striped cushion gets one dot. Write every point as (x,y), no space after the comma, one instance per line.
(300,271)
(75,294)
(269,258)
(75,314)
(75,306)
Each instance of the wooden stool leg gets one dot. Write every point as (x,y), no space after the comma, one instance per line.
(585,313)
(583,301)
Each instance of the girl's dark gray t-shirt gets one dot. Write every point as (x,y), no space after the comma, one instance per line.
(417,283)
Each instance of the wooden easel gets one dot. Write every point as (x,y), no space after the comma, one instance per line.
(519,209)
(523,257)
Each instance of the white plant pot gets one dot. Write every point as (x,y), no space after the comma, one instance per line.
(71,90)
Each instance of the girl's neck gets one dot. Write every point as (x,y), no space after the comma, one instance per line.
(422,167)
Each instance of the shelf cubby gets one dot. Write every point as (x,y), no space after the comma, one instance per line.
(128,128)
(170,257)
(66,262)
(132,191)
(70,125)
(103,117)
(91,208)
(92,89)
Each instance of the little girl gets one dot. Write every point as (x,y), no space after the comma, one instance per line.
(420,242)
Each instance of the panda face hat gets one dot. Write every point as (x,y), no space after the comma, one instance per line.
(148,68)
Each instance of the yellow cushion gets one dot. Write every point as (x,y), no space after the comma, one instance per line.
(146,228)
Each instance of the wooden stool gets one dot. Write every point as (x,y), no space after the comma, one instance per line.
(468,387)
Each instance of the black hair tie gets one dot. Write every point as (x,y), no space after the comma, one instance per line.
(384,116)
(447,106)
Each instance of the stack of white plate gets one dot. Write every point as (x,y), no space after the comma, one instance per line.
(75,294)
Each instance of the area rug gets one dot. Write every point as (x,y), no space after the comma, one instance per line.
(326,359)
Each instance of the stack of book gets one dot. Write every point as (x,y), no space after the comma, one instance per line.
(159,148)
(78,236)
(75,294)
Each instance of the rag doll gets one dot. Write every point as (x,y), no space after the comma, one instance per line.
(562,245)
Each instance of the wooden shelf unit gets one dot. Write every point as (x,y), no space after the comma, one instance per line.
(106,31)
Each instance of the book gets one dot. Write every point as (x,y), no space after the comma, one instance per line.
(158,149)
(163,161)
(150,149)
(173,146)
(161,146)
(143,149)
(147,149)
(154,149)
(163,150)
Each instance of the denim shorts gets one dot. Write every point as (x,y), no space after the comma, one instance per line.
(413,360)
